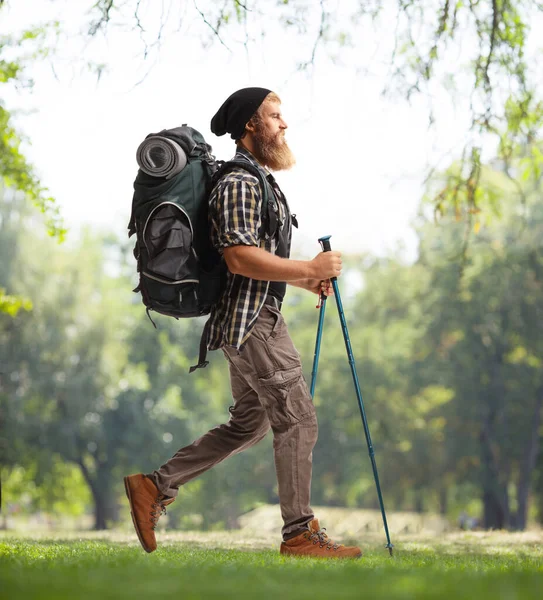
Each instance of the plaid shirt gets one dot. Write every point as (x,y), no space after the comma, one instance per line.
(235,220)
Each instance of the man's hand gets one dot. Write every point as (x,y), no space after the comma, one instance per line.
(326,265)
(319,287)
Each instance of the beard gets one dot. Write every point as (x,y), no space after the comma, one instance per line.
(272,150)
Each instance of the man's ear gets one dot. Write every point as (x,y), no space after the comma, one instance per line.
(250,126)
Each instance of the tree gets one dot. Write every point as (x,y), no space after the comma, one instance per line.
(449,357)
(16,52)
(88,381)
(15,171)
(487,347)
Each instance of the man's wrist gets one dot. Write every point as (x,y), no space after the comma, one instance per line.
(301,283)
(310,271)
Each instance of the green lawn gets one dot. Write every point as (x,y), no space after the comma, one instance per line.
(109,565)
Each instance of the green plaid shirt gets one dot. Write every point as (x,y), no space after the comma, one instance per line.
(235,219)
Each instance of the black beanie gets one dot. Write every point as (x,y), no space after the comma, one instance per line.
(237,110)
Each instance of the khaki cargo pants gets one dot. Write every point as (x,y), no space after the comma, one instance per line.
(269,391)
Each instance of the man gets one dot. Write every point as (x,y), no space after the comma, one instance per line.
(268,386)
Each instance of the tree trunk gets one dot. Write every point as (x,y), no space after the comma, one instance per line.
(496,514)
(106,509)
(527,466)
(495,473)
(443,500)
(100,513)
(419,502)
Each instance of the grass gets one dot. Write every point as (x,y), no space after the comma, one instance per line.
(188,566)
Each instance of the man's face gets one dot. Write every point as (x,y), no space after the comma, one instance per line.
(271,148)
(272,120)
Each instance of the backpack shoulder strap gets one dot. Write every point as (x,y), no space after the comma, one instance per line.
(230,165)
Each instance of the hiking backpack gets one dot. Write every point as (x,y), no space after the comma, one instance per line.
(180,273)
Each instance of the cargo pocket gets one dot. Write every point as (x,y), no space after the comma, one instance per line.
(286,397)
(269,325)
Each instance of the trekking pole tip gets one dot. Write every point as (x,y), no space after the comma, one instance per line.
(389,546)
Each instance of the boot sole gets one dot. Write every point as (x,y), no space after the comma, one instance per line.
(127,490)
(324,556)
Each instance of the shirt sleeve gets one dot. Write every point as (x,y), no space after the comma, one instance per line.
(236,217)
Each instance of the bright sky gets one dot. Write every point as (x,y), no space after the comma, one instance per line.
(361,158)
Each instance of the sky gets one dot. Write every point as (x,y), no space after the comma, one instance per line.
(361,157)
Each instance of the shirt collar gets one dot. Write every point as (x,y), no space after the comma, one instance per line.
(246,154)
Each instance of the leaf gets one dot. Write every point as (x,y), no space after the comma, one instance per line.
(11,305)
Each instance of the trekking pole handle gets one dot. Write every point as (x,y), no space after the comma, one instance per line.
(325,243)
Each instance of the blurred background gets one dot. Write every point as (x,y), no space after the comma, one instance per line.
(416,128)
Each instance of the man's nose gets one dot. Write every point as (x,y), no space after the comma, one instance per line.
(283,124)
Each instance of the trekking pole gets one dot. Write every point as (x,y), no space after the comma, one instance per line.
(322,300)
(325,243)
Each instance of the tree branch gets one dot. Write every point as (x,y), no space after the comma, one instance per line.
(241,5)
(493,32)
(321,32)
(105,6)
(320,36)
(214,29)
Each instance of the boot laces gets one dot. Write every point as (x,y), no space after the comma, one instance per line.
(159,509)
(321,538)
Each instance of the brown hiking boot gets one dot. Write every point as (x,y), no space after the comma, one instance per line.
(147,505)
(315,542)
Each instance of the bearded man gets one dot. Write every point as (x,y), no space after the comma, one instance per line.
(268,386)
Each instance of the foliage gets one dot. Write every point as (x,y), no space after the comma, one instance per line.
(16,53)
(479,50)
(15,170)
(60,492)
(11,305)
(489,344)
(448,355)
(497,566)
(90,381)
(17,173)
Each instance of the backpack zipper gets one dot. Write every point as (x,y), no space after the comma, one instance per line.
(147,274)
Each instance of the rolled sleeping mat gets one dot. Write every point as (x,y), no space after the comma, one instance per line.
(160,157)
